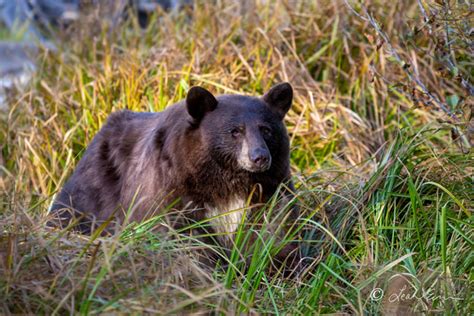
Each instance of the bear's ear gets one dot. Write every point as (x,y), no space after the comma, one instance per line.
(279,98)
(199,101)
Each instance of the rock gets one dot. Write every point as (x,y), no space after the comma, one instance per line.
(16,67)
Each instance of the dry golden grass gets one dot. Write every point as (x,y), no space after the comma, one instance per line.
(384,174)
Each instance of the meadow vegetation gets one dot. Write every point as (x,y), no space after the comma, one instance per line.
(381,132)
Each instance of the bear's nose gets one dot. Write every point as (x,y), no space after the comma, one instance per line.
(260,158)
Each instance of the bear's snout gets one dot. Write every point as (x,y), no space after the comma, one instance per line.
(254,154)
(260,158)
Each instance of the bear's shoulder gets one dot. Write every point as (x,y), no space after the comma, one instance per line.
(124,116)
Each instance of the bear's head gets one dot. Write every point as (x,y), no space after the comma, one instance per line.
(243,132)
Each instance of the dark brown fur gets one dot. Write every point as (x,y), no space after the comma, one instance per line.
(145,161)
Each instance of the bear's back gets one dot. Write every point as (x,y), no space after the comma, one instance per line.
(94,187)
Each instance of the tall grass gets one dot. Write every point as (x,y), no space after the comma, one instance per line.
(384,186)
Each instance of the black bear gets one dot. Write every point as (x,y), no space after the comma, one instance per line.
(209,153)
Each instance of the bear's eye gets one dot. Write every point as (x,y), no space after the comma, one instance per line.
(236,132)
(266,130)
